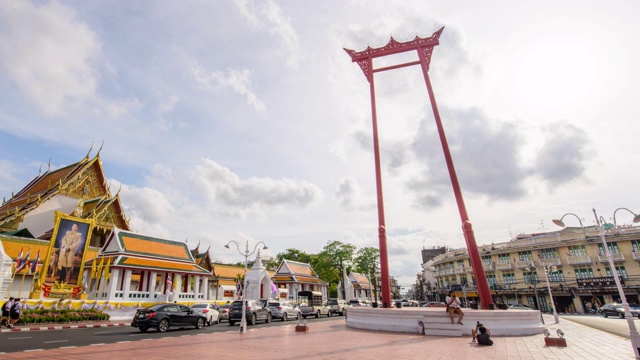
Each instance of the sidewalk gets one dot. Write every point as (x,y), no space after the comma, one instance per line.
(79,325)
(333,340)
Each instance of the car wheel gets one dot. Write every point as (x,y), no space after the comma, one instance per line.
(621,315)
(268,320)
(605,314)
(163,325)
(209,321)
(341,313)
(199,323)
(304,316)
(143,328)
(231,323)
(298,316)
(253,319)
(329,314)
(284,317)
(318,314)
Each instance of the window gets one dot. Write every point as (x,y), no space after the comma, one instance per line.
(491,279)
(635,244)
(509,278)
(549,254)
(463,280)
(530,277)
(504,258)
(613,248)
(578,250)
(460,264)
(622,272)
(486,260)
(584,273)
(525,256)
(556,276)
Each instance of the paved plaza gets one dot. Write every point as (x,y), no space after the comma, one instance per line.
(333,340)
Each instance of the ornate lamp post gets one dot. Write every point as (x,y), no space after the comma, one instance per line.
(246,254)
(602,226)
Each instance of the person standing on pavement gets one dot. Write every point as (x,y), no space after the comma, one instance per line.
(6,307)
(15,312)
(453,306)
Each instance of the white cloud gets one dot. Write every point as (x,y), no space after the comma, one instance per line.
(228,194)
(50,55)
(237,81)
(350,196)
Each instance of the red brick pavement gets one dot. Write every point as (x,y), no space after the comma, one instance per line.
(333,340)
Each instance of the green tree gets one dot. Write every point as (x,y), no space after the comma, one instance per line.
(293,255)
(366,262)
(338,255)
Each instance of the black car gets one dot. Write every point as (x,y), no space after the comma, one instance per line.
(617,310)
(256,310)
(164,316)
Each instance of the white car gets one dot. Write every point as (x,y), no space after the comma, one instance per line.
(208,310)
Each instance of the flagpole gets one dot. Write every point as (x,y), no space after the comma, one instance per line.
(13,277)
(21,283)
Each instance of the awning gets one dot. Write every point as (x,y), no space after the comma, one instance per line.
(228,288)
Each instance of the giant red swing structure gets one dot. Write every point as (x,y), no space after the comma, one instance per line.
(424,48)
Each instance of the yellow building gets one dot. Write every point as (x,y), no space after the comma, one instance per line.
(574,261)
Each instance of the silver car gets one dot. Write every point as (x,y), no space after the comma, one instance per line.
(283,310)
(208,310)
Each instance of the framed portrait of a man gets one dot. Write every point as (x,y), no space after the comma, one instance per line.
(67,250)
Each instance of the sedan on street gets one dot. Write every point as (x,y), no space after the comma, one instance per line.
(209,311)
(617,310)
(164,316)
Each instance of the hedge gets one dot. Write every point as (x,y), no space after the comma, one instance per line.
(42,316)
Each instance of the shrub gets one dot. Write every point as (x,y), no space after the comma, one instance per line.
(41,316)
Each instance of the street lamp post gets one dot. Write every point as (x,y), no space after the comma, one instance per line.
(246,254)
(633,332)
(534,280)
(548,269)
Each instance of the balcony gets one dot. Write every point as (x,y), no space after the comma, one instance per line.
(550,262)
(616,258)
(504,266)
(490,267)
(636,256)
(460,270)
(523,264)
(446,272)
(578,260)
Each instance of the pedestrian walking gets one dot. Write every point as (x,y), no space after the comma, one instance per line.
(15,312)
(6,307)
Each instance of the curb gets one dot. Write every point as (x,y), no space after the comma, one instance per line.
(62,327)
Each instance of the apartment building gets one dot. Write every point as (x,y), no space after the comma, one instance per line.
(573,260)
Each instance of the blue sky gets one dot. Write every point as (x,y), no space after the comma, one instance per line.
(246,120)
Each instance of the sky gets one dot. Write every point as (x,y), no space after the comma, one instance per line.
(246,120)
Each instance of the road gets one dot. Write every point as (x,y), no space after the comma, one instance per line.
(52,339)
(611,325)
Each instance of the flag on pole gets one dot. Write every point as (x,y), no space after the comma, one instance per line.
(239,288)
(169,283)
(24,262)
(93,269)
(34,264)
(107,274)
(274,288)
(19,258)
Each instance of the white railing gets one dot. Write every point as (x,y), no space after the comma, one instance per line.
(523,264)
(616,257)
(504,266)
(636,256)
(579,260)
(550,262)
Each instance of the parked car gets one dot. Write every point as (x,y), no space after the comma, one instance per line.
(209,311)
(256,310)
(164,316)
(434,304)
(338,306)
(223,312)
(313,304)
(357,303)
(617,310)
(283,310)
(520,306)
